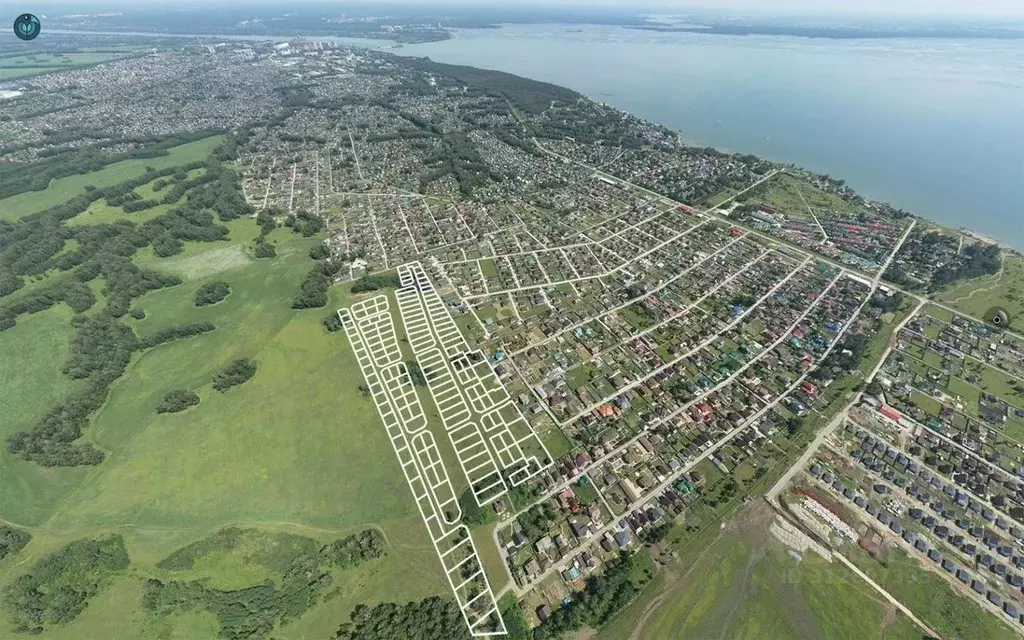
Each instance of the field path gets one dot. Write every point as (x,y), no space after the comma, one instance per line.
(995,283)
(888,596)
(655,604)
(87,531)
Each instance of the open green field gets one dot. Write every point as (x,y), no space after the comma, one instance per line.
(741,583)
(1006,290)
(12,67)
(100,212)
(407,572)
(793,196)
(34,352)
(296,449)
(930,597)
(63,189)
(20,72)
(59,59)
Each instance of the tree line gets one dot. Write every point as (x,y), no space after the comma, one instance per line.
(212,293)
(100,353)
(253,612)
(376,282)
(35,244)
(103,345)
(355,549)
(428,619)
(12,540)
(57,588)
(177,400)
(313,290)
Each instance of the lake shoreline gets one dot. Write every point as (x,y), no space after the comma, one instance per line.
(880,131)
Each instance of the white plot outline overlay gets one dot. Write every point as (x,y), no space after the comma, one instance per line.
(370,330)
(461,382)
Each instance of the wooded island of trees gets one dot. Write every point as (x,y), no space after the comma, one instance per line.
(239,371)
(177,400)
(212,293)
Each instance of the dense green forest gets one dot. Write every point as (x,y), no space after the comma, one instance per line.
(458,157)
(236,373)
(12,540)
(355,549)
(473,514)
(253,612)
(429,619)
(57,588)
(604,596)
(376,282)
(177,400)
(313,290)
(531,96)
(332,322)
(319,251)
(212,293)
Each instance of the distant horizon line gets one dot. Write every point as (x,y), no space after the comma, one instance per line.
(653,7)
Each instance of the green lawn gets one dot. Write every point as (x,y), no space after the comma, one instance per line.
(555,440)
(272,449)
(488,269)
(494,568)
(929,404)
(60,59)
(32,64)
(100,212)
(793,196)
(64,189)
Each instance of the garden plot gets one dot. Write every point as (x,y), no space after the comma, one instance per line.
(492,441)
(371,332)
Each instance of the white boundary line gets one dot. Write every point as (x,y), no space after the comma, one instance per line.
(414,466)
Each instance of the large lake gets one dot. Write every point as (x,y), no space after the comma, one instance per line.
(933,126)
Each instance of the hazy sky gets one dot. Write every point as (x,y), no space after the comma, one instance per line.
(925,7)
(964,8)
(958,7)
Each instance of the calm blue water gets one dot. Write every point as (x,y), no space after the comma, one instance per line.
(935,127)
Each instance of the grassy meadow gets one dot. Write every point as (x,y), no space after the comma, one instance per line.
(1006,290)
(740,583)
(63,189)
(296,449)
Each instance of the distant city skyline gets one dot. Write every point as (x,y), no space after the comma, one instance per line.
(924,8)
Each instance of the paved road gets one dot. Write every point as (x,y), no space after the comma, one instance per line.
(773,494)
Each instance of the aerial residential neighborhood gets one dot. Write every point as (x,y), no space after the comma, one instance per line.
(520,356)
